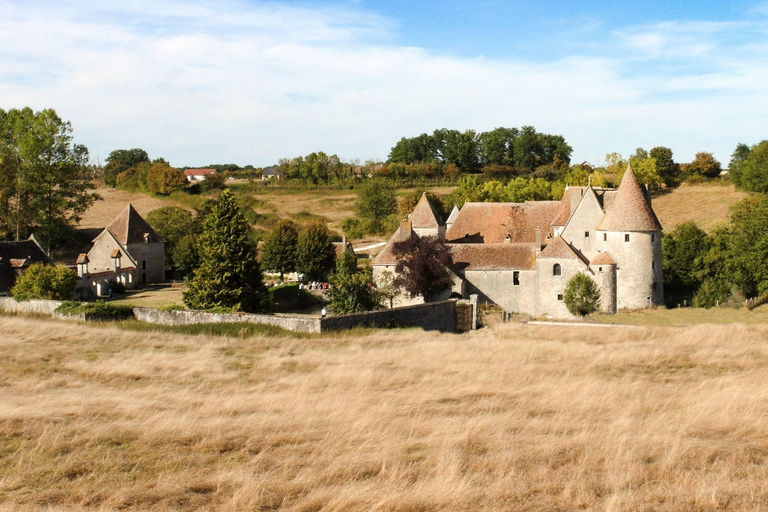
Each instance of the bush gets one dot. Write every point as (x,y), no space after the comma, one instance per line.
(45,282)
(582,296)
(98,310)
(116,287)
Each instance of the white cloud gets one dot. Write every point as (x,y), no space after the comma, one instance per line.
(231,81)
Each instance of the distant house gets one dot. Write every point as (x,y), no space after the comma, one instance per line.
(128,251)
(15,258)
(198,174)
(271,173)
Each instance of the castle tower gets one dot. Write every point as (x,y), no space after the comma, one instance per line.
(631,233)
(604,269)
(425,220)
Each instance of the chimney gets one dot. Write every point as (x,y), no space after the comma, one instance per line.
(537,241)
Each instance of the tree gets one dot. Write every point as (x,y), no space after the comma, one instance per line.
(41,281)
(422,267)
(582,297)
(376,201)
(747,245)
(173,224)
(668,170)
(229,275)
(738,157)
(352,290)
(214,181)
(754,169)
(410,200)
(683,251)
(314,251)
(278,254)
(163,179)
(121,159)
(44,183)
(704,164)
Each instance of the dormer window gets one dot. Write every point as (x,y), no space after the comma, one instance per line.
(147,238)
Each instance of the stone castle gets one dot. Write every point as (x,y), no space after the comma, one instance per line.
(520,256)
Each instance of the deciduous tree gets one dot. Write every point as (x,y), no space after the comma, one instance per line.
(582,297)
(754,169)
(422,267)
(352,290)
(163,179)
(314,251)
(278,254)
(45,282)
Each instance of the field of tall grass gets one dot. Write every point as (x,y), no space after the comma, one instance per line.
(512,417)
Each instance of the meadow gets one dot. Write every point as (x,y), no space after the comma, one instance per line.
(511,417)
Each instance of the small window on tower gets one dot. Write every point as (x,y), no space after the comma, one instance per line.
(516,278)
(653,265)
(556,270)
(605,237)
(586,234)
(559,296)
(653,238)
(626,237)
(599,269)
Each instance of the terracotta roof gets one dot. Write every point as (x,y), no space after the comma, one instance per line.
(565,210)
(387,256)
(497,222)
(629,210)
(82,258)
(130,228)
(340,247)
(453,215)
(497,256)
(604,258)
(199,172)
(558,248)
(424,214)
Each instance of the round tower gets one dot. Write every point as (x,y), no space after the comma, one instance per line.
(604,268)
(631,233)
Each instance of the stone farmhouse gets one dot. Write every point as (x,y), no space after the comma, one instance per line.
(15,258)
(128,251)
(520,256)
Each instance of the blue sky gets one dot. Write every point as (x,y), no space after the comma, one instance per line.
(243,81)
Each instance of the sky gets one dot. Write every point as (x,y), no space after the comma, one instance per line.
(249,82)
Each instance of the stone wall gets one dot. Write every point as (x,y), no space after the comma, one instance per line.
(433,316)
(30,307)
(290,323)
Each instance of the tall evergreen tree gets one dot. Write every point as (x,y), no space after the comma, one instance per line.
(229,275)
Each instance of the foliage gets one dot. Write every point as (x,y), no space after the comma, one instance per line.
(704,165)
(97,310)
(121,159)
(163,179)
(738,157)
(318,168)
(45,282)
(409,201)
(179,229)
(116,287)
(711,293)
(422,267)
(747,246)
(517,190)
(278,254)
(754,169)
(582,297)
(229,275)
(44,182)
(314,251)
(213,181)
(683,253)
(376,201)
(352,290)
(668,170)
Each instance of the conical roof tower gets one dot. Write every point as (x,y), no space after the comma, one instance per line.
(629,210)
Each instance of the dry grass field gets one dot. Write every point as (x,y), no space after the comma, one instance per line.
(707,205)
(513,417)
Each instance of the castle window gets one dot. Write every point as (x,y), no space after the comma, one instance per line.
(516,278)
(599,269)
(653,265)
(653,238)
(586,234)
(626,237)
(560,296)
(605,237)
(556,270)
(143,264)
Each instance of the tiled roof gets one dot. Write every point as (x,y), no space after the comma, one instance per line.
(497,222)
(565,210)
(424,214)
(497,256)
(629,210)
(453,215)
(199,172)
(604,258)
(82,258)
(387,256)
(130,228)
(15,255)
(558,248)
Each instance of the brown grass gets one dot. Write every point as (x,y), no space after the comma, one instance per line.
(707,205)
(510,418)
(114,201)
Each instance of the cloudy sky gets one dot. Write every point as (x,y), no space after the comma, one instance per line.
(245,81)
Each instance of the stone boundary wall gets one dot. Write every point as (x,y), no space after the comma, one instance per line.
(182,317)
(432,316)
(30,307)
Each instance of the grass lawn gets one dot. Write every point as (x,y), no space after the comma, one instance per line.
(152,296)
(707,205)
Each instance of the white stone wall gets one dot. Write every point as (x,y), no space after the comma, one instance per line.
(581,228)
(497,286)
(551,286)
(154,255)
(638,267)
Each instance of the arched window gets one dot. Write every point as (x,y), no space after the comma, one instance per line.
(556,270)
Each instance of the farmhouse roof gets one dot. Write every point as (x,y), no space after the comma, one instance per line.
(19,255)
(82,258)
(564,212)
(424,214)
(387,256)
(628,209)
(453,215)
(604,258)
(199,172)
(497,222)
(495,256)
(130,228)
(558,248)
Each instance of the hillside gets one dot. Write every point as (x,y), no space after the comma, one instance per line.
(513,417)
(706,205)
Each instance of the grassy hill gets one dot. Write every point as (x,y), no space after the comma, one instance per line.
(515,417)
(706,205)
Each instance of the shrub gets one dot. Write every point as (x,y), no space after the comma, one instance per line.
(98,310)
(116,287)
(45,282)
(582,296)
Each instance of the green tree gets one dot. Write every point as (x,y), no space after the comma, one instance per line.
(45,282)
(352,290)
(738,157)
(278,254)
(121,159)
(162,179)
(704,164)
(376,201)
(754,169)
(229,275)
(668,170)
(747,246)
(582,297)
(44,182)
(683,253)
(422,268)
(173,224)
(314,251)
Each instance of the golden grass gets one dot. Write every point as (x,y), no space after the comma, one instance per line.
(516,417)
(153,296)
(114,201)
(707,205)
